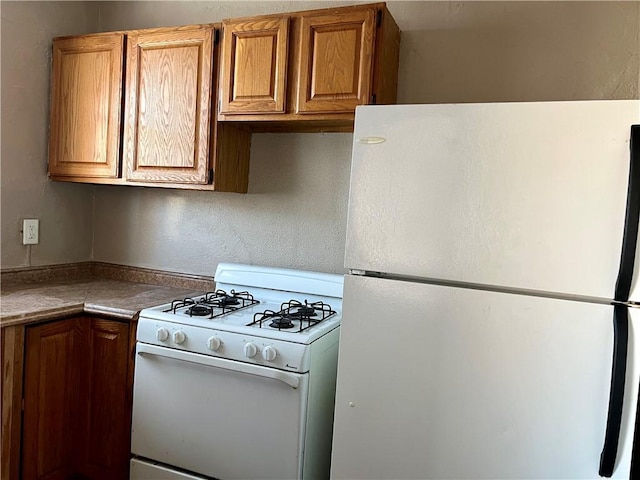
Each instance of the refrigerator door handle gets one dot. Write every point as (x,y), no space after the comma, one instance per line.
(632,215)
(616,394)
(620,312)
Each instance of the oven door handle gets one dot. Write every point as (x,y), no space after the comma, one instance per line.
(290,379)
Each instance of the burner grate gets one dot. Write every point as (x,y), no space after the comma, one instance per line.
(213,304)
(305,314)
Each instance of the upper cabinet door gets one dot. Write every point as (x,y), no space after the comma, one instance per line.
(168,102)
(86,93)
(254,66)
(335,62)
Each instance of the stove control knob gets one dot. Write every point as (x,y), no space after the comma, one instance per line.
(269,353)
(214,343)
(162,334)
(250,350)
(179,337)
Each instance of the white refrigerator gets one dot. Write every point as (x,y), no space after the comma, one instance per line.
(489,328)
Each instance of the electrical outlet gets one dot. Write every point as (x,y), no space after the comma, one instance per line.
(30,231)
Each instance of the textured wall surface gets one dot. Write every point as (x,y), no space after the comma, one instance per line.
(65,210)
(455,52)
(294,215)
(295,212)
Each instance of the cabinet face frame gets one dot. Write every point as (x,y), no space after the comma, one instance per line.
(242,92)
(318,59)
(153,72)
(86,97)
(12,355)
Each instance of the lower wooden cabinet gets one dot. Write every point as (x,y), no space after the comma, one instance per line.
(77,400)
(51,399)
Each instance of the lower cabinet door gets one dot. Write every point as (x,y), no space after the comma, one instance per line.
(105,412)
(77,400)
(52,373)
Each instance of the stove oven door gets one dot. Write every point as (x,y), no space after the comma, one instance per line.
(216,417)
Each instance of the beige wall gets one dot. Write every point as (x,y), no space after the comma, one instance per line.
(518,51)
(295,212)
(65,211)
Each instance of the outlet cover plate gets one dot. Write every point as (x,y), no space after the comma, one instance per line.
(30,231)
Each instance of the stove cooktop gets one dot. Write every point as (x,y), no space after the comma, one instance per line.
(301,306)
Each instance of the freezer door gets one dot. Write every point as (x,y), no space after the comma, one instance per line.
(522,195)
(440,382)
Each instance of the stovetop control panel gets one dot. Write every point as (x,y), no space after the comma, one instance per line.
(272,353)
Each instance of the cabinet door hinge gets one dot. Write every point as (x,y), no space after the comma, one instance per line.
(216,36)
(211,176)
(374,99)
(378,18)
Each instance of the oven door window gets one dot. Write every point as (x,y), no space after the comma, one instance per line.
(217,417)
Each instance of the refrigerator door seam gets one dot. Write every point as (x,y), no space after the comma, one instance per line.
(491,288)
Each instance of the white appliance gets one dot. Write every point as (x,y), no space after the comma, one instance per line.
(484,246)
(240,382)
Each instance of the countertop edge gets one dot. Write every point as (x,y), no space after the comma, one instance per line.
(42,315)
(90,288)
(111,312)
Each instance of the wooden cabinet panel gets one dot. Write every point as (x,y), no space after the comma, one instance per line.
(12,359)
(86,92)
(254,65)
(168,102)
(335,61)
(103,444)
(52,368)
(77,400)
(300,71)
(338,58)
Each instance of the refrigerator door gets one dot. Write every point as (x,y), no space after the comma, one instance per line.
(440,382)
(527,196)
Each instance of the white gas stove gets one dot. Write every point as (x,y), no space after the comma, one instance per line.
(247,354)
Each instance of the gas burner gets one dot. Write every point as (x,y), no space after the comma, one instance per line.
(220,298)
(303,311)
(199,310)
(227,300)
(292,314)
(282,321)
(212,304)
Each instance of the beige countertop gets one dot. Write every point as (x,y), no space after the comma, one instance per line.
(23,303)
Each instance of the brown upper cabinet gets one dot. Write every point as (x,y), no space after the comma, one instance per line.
(254,65)
(336,59)
(167,105)
(182,114)
(166,134)
(86,94)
